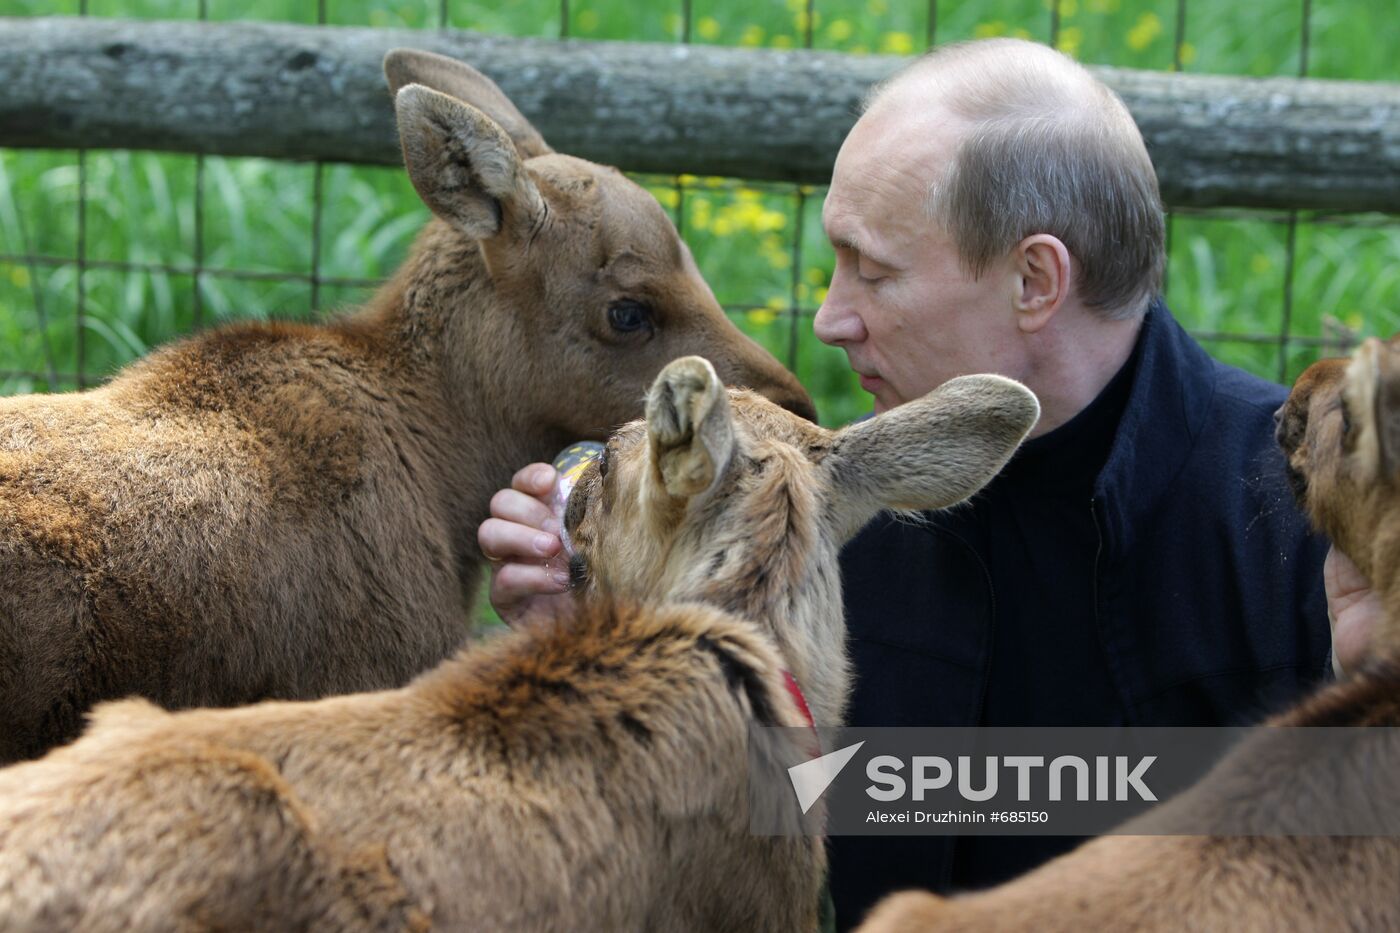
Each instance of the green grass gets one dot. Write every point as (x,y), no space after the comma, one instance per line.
(761,246)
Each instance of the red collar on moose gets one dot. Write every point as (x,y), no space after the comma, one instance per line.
(796,693)
(814,747)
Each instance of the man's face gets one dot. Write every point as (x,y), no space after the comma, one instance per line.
(900,304)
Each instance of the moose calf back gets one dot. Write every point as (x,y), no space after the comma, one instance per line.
(276,510)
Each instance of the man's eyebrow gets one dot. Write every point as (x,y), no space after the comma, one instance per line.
(861,247)
(846,241)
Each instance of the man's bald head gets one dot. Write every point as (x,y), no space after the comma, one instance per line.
(1043,147)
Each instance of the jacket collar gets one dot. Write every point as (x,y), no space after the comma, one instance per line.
(1173,388)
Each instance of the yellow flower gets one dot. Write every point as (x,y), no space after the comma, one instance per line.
(897,43)
(840,30)
(722,226)
(795,5)
(1071,37)
(1068,8)
(753,35)
(1188,53)
(19,276)
(987,30)
(820,294)
(667,197)
(1021,32)
(673,23)
(587,20)
(708,27)
(1260,264)
(782,42)
(714,181)
(777,303)
(688,180)
(1147,28)
(815,276)
(748,194)
(761,317)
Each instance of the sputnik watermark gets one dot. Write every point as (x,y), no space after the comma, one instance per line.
(934,772)
(811,778)
(1076,781)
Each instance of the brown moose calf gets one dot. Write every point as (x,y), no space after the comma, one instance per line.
(291,511)
(590,775)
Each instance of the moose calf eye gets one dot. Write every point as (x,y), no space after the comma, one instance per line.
(626,316)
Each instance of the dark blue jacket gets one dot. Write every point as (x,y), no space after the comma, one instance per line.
(1208,589)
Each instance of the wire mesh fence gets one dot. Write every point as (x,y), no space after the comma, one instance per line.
(105,254)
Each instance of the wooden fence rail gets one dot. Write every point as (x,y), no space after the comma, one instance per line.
(316,92)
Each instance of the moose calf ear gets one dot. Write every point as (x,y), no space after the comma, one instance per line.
(463,166)
(1385,394)
(403,67)
(689,426)
(930,453)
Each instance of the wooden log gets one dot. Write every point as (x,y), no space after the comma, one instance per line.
(307,92)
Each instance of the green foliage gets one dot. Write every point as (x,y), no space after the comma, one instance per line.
(259,237)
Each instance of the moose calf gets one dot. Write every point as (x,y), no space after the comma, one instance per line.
(276,510)
(1340,430)
(586,775)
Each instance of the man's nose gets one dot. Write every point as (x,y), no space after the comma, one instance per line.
(837,323)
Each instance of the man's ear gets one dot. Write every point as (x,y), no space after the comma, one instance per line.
(1045,273)
(690,427)
(930,453)
(403,67)
(463,166)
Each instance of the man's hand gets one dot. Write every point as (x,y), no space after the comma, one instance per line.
(1353,608)
(529,570)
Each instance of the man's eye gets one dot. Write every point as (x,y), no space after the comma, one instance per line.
(869,272)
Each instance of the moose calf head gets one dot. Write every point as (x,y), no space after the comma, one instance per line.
(724,498)
(559,254)
(1340,430)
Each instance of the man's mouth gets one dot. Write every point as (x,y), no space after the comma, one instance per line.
(870,383)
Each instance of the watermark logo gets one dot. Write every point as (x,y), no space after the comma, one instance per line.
(811,778)
(934,773)
(1266,781)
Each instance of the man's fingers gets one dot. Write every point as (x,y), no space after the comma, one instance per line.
(1354,610)
(537,479)
(512,542)
(511,505)
(512,584)
(1341,577)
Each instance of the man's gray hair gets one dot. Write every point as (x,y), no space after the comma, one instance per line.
(1049,149)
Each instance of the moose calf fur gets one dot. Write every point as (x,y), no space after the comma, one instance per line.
(277,510)
(588,774)
(1340,430)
